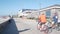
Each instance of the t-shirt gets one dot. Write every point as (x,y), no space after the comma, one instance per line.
(55,18)
(42,18)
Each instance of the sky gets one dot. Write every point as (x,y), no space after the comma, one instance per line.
(11,7)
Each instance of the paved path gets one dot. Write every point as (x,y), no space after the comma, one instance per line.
(2,20)
(23,26)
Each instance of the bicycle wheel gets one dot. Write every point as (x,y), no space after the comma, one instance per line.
(58,28)
(49,29)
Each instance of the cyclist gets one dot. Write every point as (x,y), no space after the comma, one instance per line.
(55,20)
(42,20)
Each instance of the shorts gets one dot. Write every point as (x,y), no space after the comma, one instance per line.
(42,23)
(54,22)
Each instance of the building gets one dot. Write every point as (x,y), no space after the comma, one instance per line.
(34,13)
(29,13)
(49,11)
(22,14)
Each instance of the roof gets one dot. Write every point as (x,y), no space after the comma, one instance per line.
(56,5)
(51,6)
(29,10)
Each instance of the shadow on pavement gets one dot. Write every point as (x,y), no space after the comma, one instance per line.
(24,30)
(11,28)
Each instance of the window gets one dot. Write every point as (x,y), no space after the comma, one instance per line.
(48,13)
(28,12)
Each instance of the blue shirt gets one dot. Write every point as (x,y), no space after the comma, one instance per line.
(55,18)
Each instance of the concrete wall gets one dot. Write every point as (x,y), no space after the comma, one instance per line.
(33,14)
(52,12)
(3,25)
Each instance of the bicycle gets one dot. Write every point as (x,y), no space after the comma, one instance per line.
(50,29)
(45,28)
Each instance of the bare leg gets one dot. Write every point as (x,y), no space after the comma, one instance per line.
(53,26)
(38,27)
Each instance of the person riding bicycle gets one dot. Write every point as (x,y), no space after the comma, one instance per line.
(55,19)
(41,19)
